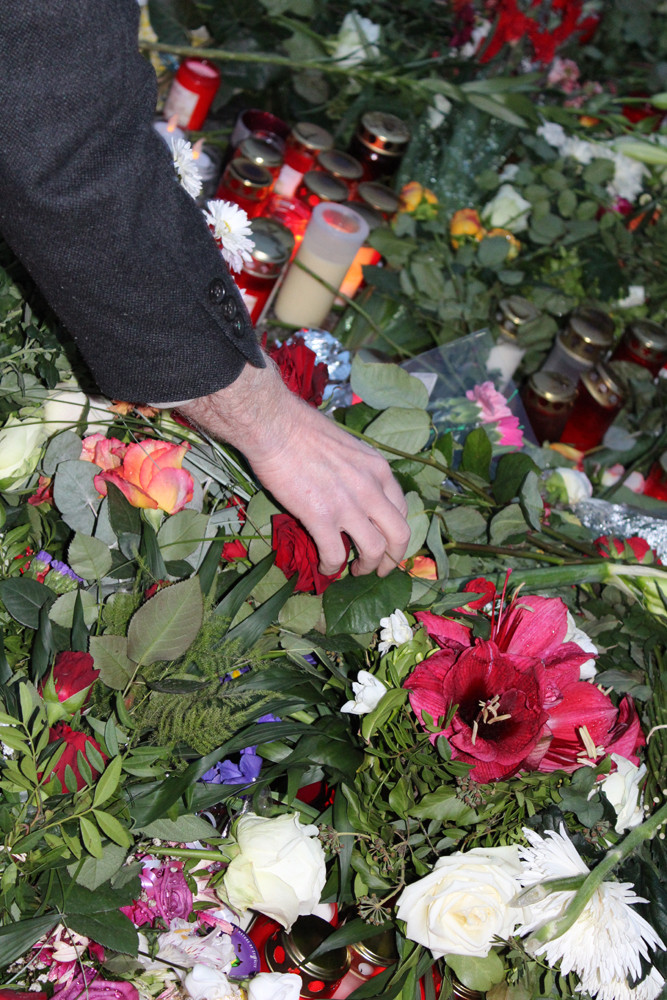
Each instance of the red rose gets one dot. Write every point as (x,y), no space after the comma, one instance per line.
(234,550)
(296,552)
(67,688)
(656,482)
(300,372)
(634,546)
(74,741)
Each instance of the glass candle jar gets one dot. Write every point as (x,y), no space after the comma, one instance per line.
(600,397)
(380,198)
(289,952)
(192,91)
(332,238)
(548,398)
(259,275)
(262,152)
(643,343)
(303,144)
(379,143)
(247,184)
(342,166)
(292,213)
(506,355)
(368,959)
(365,254)
(264,125)
(317,186)
(584,341)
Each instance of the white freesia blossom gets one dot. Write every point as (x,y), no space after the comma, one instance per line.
(231,227)
(464,903)
(368,691)
(622,788)
(587,670)
(186,166)
(65,406)
(636,297)
(204,983)
(275,986)
(20,449)
(605,943)
(279,870)
(357,40)
(507,210)
(395,630)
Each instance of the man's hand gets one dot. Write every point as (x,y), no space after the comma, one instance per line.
(322,475)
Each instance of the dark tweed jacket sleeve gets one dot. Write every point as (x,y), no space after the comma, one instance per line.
(89,202)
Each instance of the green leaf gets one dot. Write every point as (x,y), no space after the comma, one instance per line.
(236,595)
(390,701)
(18,937)
(166,626)
(183,830)
(110,655)
(493,251)
(107,783)
(95,872)
(124,518)
(531,502)
(510,474)
(62,611)
(151,552)
(76,496)
(436,548)
(464,524)
(476,456)
(208,570)
(89,557)
(251,629)
(418,522)
(113,829)
(24,599)
(477,973)
(508,524)
(79,641)
(356,604)
(90,837)
(494,106)
(111,929)
(61,448)
(385,385)
(407,430)
(443,806)
(181,533)
(546,229)
(300,613)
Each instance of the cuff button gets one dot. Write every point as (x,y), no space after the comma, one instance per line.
(217,292)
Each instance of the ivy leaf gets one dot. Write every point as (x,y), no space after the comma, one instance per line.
(166,626)
(356,604)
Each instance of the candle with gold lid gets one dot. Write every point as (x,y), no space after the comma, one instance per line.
(600,398)
(317,186)
(379,143)
(290,951)
(584,341)
(379,197)
(342,166)
(260,151)
(548,398)
(247,184)
(273,244)
(368,959)
(303,144)
(643,343)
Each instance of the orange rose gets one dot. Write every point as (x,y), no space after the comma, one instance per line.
(513,244)
(151,476)
(419,200)
(466,222)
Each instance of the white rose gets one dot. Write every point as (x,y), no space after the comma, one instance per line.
(636,297)
(65,406)
(573,484)
(622,790)
(368,691)
(20,450)
(464,903)
(357,40)
(507,210)
(279,869)
(395,631)
(275,986)
(204,983)
(587,670)
(635,481)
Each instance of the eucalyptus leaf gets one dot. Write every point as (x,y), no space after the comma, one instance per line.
(477,973)
(300,613)
(418,522)
(76,496)
(508,524)
(61,448)
(89,557)
(181,534)
(62,611)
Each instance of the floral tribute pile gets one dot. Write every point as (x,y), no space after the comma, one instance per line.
(204,737)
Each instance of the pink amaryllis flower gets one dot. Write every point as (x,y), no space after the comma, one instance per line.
(519,703)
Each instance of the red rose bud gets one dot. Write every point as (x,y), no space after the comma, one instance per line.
(67,687)
(296,552)
(299,370)
(74,742)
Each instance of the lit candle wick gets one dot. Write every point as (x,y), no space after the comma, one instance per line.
(196,149)
(172,124)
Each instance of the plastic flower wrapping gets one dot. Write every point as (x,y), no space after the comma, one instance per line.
(458,769)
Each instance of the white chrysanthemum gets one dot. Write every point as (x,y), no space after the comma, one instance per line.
(605,943)
(186,166)
(648,989)
(587,670)
(231,227)
(357,40)
(368,692)
(395,631)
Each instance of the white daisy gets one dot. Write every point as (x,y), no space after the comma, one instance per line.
(605,943)
(231,227)
(395,631)
(186,166)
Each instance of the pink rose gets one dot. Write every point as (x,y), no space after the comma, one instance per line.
(492,403)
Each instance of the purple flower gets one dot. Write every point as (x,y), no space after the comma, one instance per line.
(171,893)
(64,570)
(226,772)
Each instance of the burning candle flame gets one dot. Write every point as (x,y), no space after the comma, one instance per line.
(172,124)
(196,149)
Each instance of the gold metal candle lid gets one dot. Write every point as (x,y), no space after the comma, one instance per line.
(605,386)
(552,387)
(380,949)
(340,164)
(591,327)
(259,151)
(379,196)
(384,133)
(324,186)
(650,336)
(248,175)
(311,136)
(461,992)
(306,935)
(517,310)
(270,250)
